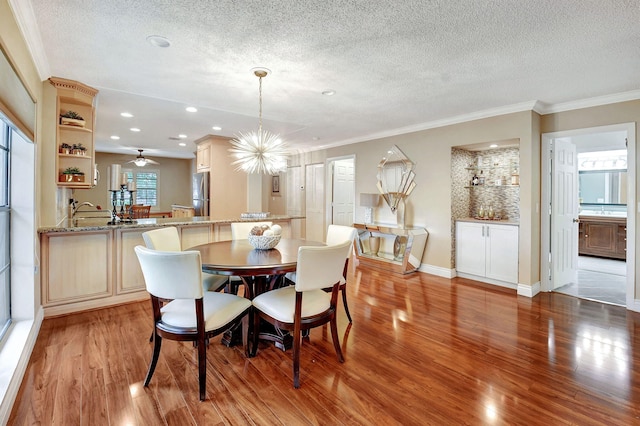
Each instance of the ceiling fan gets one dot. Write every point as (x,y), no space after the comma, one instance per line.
(141,161)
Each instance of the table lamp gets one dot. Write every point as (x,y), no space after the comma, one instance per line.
(369,201)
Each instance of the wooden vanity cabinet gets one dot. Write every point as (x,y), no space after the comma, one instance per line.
(603,236)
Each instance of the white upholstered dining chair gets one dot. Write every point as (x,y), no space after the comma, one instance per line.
(192,314)
(168,239)
(337,234)
(305,305)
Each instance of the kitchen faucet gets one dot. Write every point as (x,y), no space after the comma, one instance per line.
(76,208)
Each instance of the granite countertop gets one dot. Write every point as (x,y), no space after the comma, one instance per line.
(99,224)
(496,221)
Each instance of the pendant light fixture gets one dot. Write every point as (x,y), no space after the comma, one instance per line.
(261,151)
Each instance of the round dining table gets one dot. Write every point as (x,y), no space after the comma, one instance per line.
(259,270)
(239,258)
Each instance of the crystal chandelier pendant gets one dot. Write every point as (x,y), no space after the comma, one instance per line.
(261,151)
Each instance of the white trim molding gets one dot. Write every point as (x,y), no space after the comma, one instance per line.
(14,358)
(437,270)
(529,290)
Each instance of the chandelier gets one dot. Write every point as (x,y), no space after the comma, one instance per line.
(261,151)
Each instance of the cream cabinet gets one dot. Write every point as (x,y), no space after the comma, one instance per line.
(203,157)
(76,268)
(195,235)
(487,252)
(182,211)
(93,266)
(75,160)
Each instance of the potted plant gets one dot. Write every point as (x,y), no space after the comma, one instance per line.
(65,148)
(72,174)
(79,149)
(72,118)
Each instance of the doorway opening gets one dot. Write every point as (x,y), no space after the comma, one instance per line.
(588,235)
(340,195)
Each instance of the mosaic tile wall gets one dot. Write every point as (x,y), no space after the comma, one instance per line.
(492,165)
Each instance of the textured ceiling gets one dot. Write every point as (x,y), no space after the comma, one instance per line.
(395,66)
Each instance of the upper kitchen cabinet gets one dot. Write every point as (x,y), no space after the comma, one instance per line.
(203,156)
(74,122)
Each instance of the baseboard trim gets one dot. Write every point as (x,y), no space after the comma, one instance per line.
(634,305)
(529,290)
(504,284)
(26,340)
(53,311)
(437,270)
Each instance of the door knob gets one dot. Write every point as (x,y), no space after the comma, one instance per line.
(576,220)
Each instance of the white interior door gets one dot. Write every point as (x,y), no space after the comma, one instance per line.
(564,213)
(314,186)
(295,198)
(343,192)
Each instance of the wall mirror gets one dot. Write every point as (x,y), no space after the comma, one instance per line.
(603,187)
(395,177)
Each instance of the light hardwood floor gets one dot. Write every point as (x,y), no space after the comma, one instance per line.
(422,350)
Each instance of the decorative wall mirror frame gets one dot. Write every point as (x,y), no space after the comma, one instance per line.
(396,181)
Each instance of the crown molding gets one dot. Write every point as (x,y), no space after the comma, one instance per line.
(591,102)
(536,106)
(493,112)
(26,20)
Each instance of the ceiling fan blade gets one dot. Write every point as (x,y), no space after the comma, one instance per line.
(151,161)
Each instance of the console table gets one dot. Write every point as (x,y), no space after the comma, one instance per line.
(399,250)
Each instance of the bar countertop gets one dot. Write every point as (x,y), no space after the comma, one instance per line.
(100,224)
(496,221)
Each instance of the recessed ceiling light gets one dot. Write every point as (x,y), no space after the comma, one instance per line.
(329,92)
(493,145)
(192,109)
(217,128)
(134,129)
(158,41)
(126,114)
(182,136)
(115,138)
(182,144)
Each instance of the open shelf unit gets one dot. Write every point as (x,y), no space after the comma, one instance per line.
(74,96)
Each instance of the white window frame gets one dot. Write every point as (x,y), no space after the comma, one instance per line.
(157,188)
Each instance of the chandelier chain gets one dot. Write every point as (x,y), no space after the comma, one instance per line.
(260,113)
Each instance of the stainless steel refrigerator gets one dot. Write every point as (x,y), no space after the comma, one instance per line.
(200,191)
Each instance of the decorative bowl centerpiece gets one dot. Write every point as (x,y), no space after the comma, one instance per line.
(264,237)
(262,242)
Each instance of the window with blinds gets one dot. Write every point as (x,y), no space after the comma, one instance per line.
(146,186)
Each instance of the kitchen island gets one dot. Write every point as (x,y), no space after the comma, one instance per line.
(88,264)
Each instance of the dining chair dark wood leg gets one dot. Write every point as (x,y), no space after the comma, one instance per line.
(202,349)
(336,341)
(157,342)
(297,341)
(343,290)
(256,333)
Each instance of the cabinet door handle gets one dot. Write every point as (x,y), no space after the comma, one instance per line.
(483,230)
